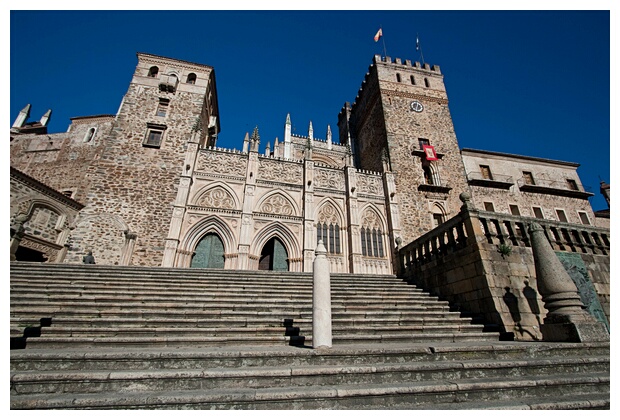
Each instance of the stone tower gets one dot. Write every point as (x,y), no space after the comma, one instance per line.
(140,182)
(399,108)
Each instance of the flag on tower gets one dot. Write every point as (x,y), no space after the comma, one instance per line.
(378,35)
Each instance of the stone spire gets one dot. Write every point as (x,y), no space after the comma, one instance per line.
(24,114)
(311,131)
(276,148)
(329,137)
(246,142)
(287,137)
(255,140)
(268,149)
(46,117)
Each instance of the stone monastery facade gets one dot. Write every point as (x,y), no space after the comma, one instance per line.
(149,186)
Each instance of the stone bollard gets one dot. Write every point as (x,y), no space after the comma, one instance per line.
(567,319)
(321,300)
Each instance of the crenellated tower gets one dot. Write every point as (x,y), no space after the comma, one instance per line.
(400,107)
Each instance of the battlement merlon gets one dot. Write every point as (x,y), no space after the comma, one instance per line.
(377,59)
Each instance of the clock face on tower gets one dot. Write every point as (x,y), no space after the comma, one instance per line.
(416,106)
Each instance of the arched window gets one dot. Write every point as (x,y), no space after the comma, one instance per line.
(439,216)
(89,134)
(153,71)
(431,176)
(328,229)
(191,78)
(427,83)
(412,80)
(398,77)
(371,236)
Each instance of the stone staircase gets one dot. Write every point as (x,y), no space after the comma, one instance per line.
(132,337)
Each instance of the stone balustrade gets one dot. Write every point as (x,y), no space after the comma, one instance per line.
(499,228)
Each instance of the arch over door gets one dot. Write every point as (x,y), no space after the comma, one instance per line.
(209,252)
(273,256)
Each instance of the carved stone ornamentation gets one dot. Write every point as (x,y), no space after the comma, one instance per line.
(280,171)
(328,214)
(369,185)
(371,219)
(216,197)
(222,163)
(329,179)
(277,204)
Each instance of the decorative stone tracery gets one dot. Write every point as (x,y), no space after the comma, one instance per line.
(216,197)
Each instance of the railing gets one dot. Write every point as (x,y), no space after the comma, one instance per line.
(501,228)
(471,226)
(477,175)
(555,187)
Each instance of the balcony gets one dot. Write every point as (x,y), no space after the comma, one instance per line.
(503,182)
(551,187)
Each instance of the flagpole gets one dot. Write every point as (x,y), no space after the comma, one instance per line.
(418,47)
(383,39)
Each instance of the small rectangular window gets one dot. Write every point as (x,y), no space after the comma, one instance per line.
(584,218)
(572,184)
(514,210)
(528,178)
(538,213)
(162,107)
(486,172)
(561,215)
(154,135)
(488,206)
(423,142)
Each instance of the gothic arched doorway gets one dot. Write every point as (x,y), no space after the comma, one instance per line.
(273,256)
(209,252)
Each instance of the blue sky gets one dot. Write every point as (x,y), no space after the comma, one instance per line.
(534,83)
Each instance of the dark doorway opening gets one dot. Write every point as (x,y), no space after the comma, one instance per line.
(273,256)
(27,254)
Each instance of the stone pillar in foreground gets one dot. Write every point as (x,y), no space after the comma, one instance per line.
(567,319)
(321,300)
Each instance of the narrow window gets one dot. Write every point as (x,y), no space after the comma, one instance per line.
(528,178)
(363,236)
(191,78)
(423,142)
(584,218)
(438,219)
(428,176)
(412,80)
(561,215)
(162,107)
(427,83)
(369,242)
(89,135)
(67,193)
(486,172)
(538,213)
(572,184)
(488,206)
(332,245)
(325,235)
(380,239)
(337,238)
(398,77)
(153,71)
(375,246)
(514,210)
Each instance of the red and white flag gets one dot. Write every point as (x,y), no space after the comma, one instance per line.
(378,35)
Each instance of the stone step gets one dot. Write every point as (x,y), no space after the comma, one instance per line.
(343,396)
(259,331)
(241,357)
(47,382)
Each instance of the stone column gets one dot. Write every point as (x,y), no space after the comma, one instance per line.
(321,300)
(567,319)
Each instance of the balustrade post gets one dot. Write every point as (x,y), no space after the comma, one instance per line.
(567,319)
(471,219)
